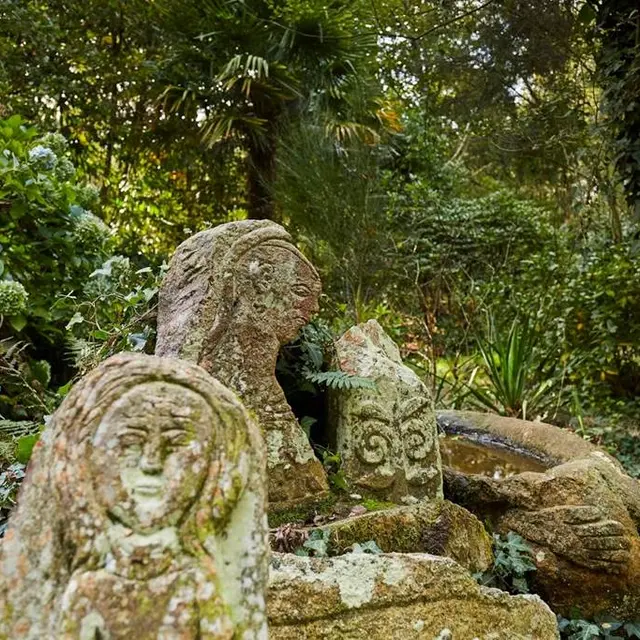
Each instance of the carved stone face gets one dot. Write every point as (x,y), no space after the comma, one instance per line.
(151,451)
(284,290)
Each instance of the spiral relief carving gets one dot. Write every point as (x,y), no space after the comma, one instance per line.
(417,444)
(374,447)
(387,435)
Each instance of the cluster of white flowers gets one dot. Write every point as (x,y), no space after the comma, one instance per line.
(65,170)
(88,196)
(43,157)
(106,279)
(90,231)
(56,142)
(13,298)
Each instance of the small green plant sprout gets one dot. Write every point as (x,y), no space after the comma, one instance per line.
(600,627)
(316,545)
(513,562)
(369,546)
(332,462)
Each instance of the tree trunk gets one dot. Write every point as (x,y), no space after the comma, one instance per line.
(261,176)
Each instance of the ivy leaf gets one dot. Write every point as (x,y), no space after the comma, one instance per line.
(76,318)
(137,341)
(369,546)
(18,322)
(25,447)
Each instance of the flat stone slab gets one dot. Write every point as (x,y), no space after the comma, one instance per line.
(395,596)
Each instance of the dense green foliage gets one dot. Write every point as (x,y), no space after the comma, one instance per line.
(466,172)
(463,172)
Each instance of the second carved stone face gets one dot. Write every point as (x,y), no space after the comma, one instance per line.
(152,454)
(285,290)
(388,442)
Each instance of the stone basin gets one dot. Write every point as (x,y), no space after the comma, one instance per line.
(522,443)
(479,454)
(571,501)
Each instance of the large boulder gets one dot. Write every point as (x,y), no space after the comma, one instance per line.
(231,297)
(142,514)
(395,596)
(386,435)
(581,515)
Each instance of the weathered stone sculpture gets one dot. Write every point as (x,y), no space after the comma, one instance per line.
(387,436)
(581,516)
(231,297)
(142,515)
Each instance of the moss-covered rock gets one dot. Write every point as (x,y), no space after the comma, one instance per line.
(395,596)
(439,528)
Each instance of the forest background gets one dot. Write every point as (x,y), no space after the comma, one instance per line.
(466,172)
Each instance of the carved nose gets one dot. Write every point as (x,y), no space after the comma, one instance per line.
(151,461)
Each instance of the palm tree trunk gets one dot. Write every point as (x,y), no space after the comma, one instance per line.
(261,176)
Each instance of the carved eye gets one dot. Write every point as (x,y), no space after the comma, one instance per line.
(301,290)
(417,444)
(374,446)
(176,439)
(132,439)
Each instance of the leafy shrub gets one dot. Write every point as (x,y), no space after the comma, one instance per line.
(115,311)
(450,246)
(585,297)
(519,380)
(578,629)
(49,243)
(24,384)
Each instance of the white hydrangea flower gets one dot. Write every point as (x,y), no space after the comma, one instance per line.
(56,142)
(13,298)
(43,157)
(90,231)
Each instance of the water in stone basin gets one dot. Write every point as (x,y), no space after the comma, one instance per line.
(465,455)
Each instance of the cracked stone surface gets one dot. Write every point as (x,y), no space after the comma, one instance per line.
(397,596)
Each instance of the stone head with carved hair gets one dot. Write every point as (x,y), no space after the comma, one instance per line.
(231,297)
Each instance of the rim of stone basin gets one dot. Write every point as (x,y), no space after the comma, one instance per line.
(539,441)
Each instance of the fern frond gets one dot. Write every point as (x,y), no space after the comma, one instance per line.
(339,380)
(17,428)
